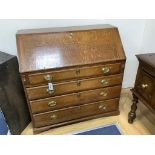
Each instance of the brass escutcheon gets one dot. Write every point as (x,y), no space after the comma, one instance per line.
(50,91)
(52,103)
(144,86)
(48,77)
(71,35)
(105,70)
(104,94)
(53,116)
(102,107)
(104,82)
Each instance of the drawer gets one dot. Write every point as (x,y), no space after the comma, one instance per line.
(68,74)
(74,86)
(84,97)
(58,116)
(145,85)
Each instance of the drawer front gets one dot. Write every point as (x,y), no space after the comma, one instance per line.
(74,86)
(145,85)
(75,112)
(62,75)
(74,99)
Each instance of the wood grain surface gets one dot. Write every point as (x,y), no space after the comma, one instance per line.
(75,112)
(85,65)
(73,86)
(54,50)
(73,99)
(36,79)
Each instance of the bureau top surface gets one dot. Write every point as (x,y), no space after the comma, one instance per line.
(50,48)
(147,58)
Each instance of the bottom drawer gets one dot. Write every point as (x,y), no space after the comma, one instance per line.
(66,114)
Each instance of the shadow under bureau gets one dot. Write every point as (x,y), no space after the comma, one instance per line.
(70,74)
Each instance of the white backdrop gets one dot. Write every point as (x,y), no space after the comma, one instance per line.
(148,42)
(135,35)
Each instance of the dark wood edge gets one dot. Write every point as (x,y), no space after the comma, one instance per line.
(139,55)
(66,29)
(28,103)
(42,129)
(143,100)
(147,67)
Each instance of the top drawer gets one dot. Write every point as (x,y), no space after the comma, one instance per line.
(145,85)
(68,74)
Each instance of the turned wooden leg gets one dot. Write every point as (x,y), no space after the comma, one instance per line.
(132,113)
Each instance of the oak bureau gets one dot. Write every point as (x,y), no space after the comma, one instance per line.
(70,74)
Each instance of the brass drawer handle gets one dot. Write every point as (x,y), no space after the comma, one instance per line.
(71,35)
(105,70)
(144,86)
(104,82)
(102,107)
(104,94)
(48,77)
(52,103)
(53,116)
(50,91)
